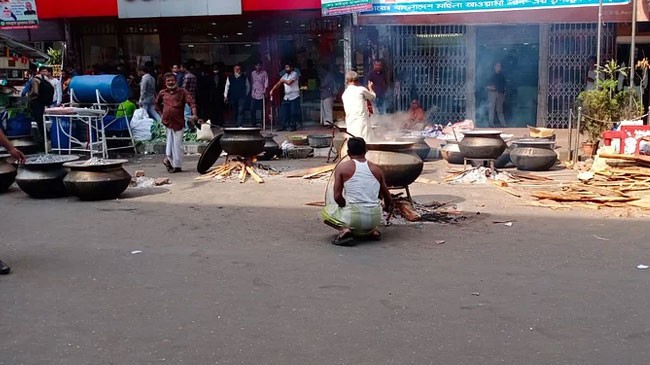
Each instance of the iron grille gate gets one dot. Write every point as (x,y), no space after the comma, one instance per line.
(569,47)
(429,63)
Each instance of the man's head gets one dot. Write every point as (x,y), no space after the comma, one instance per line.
(288,67)
(237,69)
(415,103)
(170,81)
(351,77)
(186,67)
(377,65)
(497,67)
(357,147)
(28,6)
(143,70)
(175,69)
(44,71)
(591,61)
(258,66)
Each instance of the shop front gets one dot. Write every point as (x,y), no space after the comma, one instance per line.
(448,67)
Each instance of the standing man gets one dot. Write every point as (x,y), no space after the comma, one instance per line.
(170,103)
(380,81)
(148,93)
(355,102)
(290,108)
(217,89)
(41,95)
(497,95)
(178,73)
(329,88)
(57,99)
(4,141)
(260,83)
(353,207)
(235,93)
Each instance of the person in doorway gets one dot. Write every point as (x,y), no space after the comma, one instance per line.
(170,103)
(590,77)
(217,90)
(15,153)
(355,103)
(496,96)
(260,83)
(66,78)
(380,81)
(235,93)
(41,95)
(189,79)
(290,107)
(329,89)
(148,93)
(178,73)
(353,207)
(415,119)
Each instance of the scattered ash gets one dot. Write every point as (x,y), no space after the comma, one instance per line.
(479,175)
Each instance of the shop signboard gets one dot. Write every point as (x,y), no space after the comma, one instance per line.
(339,7)
(176,8)
(18,14)
(404,7)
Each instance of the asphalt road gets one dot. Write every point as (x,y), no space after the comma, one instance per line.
(234,273)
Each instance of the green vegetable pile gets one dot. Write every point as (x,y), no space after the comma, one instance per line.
(159,134)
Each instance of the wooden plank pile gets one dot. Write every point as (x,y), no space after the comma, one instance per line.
(619,187)
(312,173)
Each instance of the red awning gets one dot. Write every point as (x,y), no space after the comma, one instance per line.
(257,5)
(51,9)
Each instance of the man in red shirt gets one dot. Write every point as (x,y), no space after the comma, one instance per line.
(170,103)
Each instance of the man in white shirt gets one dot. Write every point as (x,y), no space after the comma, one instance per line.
(290,108)
(355,102)
(58,89)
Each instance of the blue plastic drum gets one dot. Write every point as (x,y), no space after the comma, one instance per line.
(112,88)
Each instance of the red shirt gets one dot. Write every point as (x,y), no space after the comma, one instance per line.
(171,105)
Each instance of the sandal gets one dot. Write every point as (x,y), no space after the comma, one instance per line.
(343,240)
(375,236)
(168,165)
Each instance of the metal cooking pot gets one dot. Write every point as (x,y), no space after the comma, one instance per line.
(271,147)
(451,153)
(245,142)
(420,146)
(105,179)
(41,176)
(7,174)
(533,154)
(401,167)
(482,144)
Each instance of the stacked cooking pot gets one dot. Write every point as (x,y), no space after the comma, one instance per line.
(53,176)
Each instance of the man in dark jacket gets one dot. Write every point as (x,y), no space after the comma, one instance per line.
(236,94)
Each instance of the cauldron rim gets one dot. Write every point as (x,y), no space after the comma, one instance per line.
(477,132)
(235,129)
(63,159)
(106,163)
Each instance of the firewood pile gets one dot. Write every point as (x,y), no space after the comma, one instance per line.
(616,185)
(241,169)
(319,172)
(432,212)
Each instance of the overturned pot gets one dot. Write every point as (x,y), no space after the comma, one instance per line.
(41,176)
(96,179)
(7,173)
(401,167)
(244,142)
(482,144)
(533,154)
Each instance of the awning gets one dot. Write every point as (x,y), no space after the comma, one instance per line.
(22,48)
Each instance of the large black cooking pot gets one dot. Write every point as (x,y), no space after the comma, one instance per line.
(420,146)
(271,147)
(96,179)
(533,154)
(482,144)
(245,142)
(41,176)
(7,174)
(400,165)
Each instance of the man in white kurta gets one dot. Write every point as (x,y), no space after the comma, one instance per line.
(355,102)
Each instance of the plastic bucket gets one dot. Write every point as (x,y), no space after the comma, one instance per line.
(112,88)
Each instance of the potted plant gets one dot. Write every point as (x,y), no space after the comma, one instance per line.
(606,105)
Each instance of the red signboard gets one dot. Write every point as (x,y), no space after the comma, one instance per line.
(257,5)
(51,9)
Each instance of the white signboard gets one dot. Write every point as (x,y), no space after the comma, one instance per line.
(176,8)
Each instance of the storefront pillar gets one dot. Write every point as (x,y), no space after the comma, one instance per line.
(347,42)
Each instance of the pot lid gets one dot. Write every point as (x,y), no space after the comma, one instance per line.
(210,155)
(241,129)
(477,132)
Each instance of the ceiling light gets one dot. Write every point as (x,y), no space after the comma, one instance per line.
(190,46)
(240,33)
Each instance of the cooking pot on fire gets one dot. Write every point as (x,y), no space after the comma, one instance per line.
(244,142)
(400,165)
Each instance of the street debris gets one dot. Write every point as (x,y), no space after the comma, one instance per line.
(135,252)
(478,175)
(149,182)
(440,242)
(600,238)
(476,294)
(508,224)
(642,267)
(161,181)
(434,212)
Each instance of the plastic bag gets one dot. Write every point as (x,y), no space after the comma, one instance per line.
(204,133)
(141,125)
